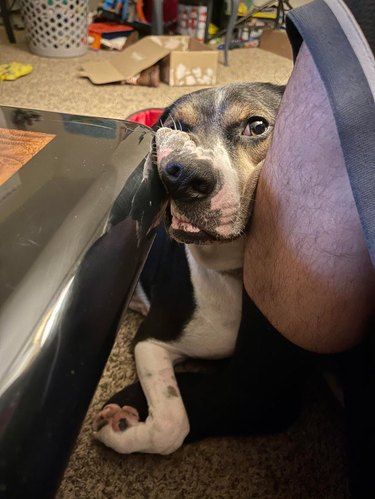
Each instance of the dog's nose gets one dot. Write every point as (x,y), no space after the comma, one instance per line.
(186,183)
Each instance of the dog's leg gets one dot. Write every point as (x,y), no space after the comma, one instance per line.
(255,391)
(167,423)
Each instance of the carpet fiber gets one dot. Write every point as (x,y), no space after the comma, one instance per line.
(305,461)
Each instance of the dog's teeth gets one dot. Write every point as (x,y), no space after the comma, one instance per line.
(178,224)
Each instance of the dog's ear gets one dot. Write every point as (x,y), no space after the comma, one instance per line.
(281,88)
(143,197)
(150,199)
(122,206)
(277,89)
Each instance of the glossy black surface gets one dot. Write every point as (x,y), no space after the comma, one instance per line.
(70,255)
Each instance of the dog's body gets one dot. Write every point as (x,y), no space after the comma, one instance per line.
(208,153)
(208,290)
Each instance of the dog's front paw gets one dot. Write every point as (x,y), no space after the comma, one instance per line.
(120,429)
(119,418)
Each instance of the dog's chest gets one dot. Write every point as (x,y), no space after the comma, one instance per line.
(213,327)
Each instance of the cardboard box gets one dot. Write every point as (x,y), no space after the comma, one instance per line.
(185,61)
(189,62)
(277,42)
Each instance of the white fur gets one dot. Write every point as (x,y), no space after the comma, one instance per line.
(167,424)
(222,257)
(212,331)
(228,198)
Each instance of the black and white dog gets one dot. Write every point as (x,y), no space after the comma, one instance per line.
(208,152)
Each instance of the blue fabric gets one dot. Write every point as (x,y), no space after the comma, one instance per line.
(351,100)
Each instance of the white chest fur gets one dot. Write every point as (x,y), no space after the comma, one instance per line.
(212,331)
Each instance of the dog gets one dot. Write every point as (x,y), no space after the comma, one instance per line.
(209,148)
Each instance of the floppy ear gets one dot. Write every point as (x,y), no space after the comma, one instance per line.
(150,199)
(281,88)
(143,197)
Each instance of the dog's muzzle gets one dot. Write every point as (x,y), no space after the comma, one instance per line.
(185,168)
(193,183)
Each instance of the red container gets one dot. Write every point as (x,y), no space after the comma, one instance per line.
(147,117)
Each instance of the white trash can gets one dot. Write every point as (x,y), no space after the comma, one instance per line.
(56,28)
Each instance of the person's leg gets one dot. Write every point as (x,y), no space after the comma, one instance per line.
(307,266)
(307,263)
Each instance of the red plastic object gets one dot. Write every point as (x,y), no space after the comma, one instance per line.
(108,27)
(170,8)
(148,117)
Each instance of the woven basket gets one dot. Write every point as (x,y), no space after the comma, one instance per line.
(56,28)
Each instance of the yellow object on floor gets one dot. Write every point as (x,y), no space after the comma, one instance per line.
(14,70)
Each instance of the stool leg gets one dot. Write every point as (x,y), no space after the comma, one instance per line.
(157,27)
(229,33)
(7,23)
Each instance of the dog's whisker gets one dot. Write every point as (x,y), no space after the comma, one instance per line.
(174,123)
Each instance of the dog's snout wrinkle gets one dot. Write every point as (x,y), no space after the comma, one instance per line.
(167,138)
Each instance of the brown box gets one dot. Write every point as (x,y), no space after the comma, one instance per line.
(189,62)
(185,61)
(277,42)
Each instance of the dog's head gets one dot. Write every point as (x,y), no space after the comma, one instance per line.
(209,150)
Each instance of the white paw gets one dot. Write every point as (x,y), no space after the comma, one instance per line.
(120,429)
(119,418)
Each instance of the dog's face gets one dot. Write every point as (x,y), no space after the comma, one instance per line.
(209,152)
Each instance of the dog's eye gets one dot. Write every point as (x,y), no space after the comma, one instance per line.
(255,127)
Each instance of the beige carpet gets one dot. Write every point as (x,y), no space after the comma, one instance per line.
(307,461)
(54,84)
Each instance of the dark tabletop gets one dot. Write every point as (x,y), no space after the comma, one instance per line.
(66,274)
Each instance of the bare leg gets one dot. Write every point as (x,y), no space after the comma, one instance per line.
(306,262)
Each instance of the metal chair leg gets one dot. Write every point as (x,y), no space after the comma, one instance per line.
(7,23)
(230,27)
(157,26)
